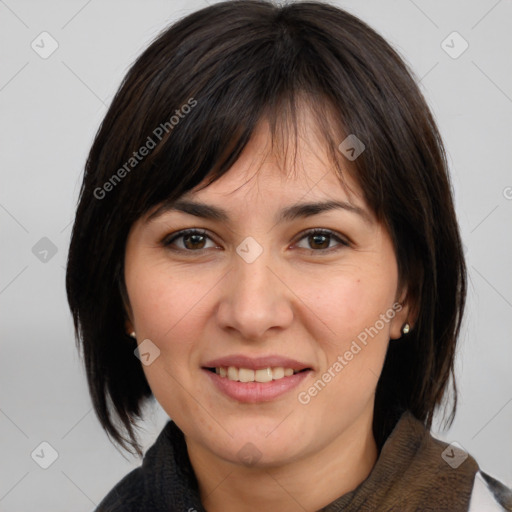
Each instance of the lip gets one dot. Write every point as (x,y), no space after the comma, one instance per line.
(254,392)
(256,363)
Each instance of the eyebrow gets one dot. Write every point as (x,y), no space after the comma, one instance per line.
(290,213)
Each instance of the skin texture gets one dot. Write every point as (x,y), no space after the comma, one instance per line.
(300,298)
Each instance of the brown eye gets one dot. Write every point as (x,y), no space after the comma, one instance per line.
(319,240)
(193,240)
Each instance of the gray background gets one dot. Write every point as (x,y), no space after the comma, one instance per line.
(50,111)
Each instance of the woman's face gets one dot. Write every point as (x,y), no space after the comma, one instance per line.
(255,291)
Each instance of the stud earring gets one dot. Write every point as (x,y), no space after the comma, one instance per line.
(406,328)
(133,335)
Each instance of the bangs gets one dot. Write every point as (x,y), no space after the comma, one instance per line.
(294,121)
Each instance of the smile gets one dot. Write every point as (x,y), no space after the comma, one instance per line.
(249,375)
(255,379)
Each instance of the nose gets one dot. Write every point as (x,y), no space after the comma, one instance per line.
(255,297)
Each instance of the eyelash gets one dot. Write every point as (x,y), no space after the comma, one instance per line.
(167,242)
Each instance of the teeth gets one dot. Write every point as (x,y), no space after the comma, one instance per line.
(232,373)
(278,373)
(248,375)
(263,375)
(245,375)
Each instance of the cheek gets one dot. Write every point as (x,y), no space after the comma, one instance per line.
(165,309)
(346,303)
(161,300)
(168,307)
(352,319)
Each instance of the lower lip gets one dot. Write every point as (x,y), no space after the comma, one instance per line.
(253,392)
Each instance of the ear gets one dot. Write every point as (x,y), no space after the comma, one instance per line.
(406,311)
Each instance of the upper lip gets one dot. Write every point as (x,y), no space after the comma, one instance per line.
(255,363)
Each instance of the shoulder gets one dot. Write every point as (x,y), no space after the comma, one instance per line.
(165,480)
(133,493)
(431,477)
(126,495)
(489,495)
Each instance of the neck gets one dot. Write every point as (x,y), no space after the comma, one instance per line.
(308,483)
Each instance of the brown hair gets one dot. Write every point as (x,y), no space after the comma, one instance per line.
(242,61)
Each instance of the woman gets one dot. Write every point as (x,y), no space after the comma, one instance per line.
(266,244)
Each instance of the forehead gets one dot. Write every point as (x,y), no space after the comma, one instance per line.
(283,168)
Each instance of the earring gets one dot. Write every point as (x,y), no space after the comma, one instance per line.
(133,335)
(406,328)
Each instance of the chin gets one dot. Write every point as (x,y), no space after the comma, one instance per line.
(255,455)
(252,447)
